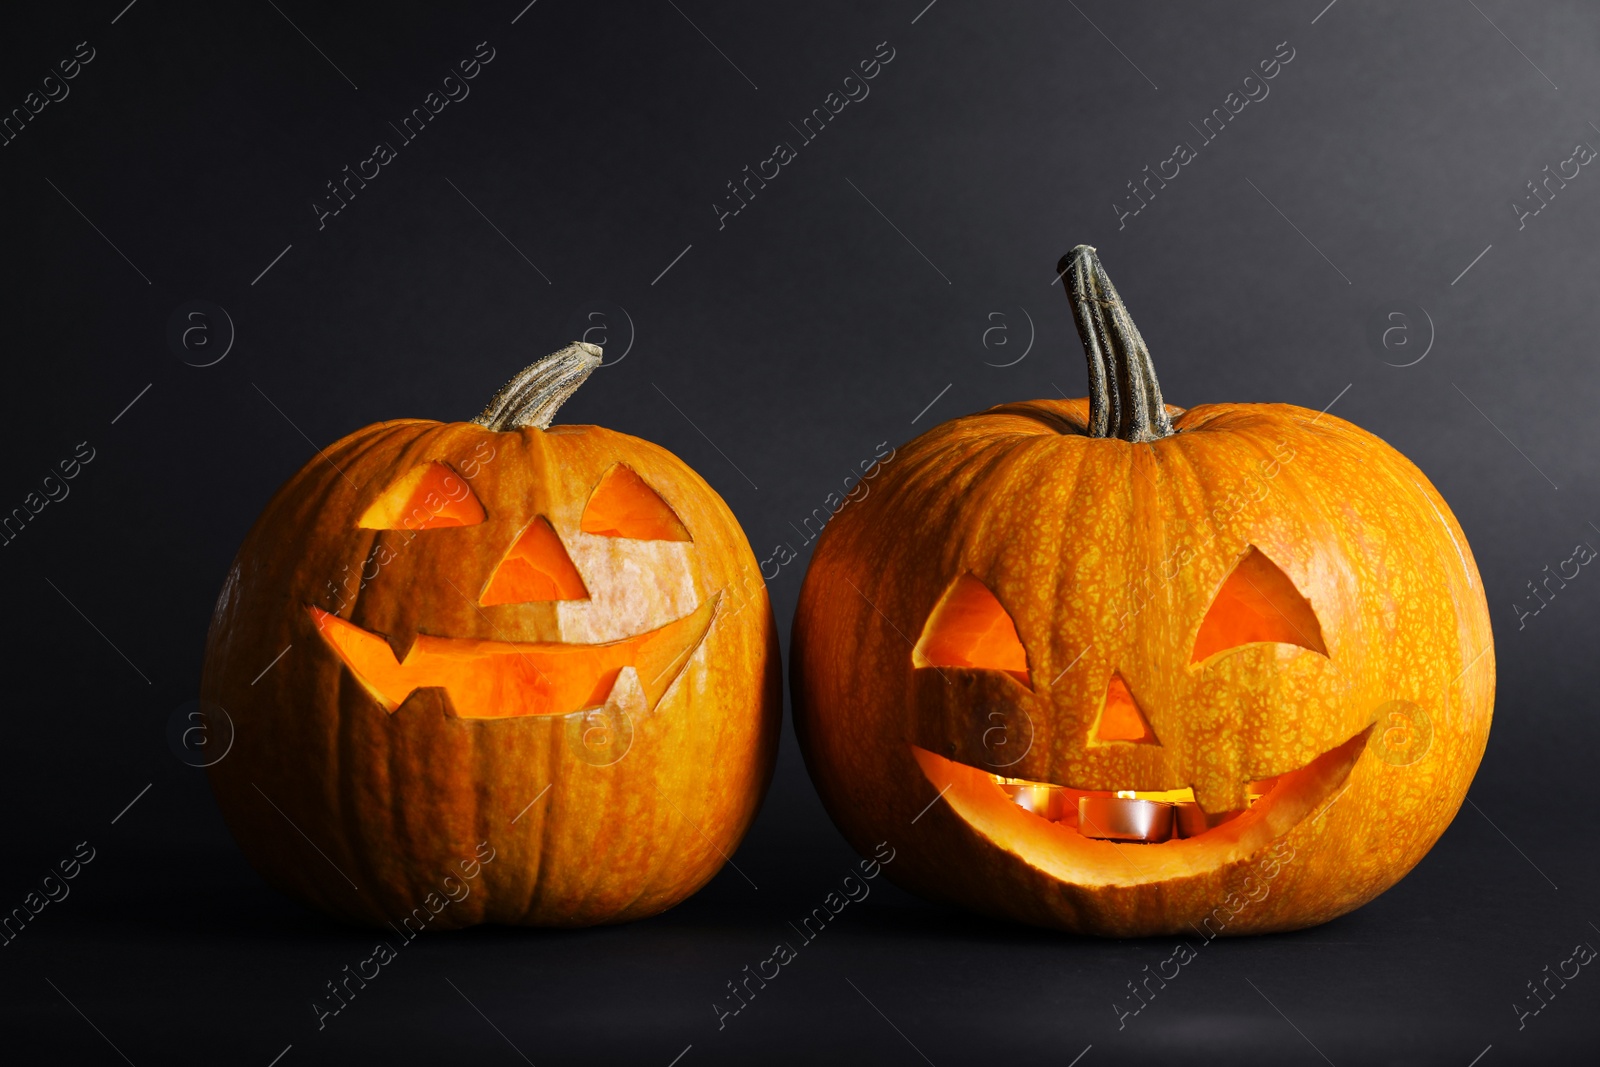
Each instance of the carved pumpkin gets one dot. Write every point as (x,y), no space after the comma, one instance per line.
(1119,668)
(554,640)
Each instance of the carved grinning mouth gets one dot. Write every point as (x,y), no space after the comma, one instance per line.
(509,679)
(1084,836)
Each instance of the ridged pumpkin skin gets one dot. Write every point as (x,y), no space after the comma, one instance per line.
(1107,554)
(395,800)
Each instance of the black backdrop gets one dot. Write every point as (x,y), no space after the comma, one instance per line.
(896,272)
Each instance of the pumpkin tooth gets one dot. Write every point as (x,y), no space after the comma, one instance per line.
(1217,792)
(627,693)
(603,735)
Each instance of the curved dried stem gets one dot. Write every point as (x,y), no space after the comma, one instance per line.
(533,397)
(1124,397)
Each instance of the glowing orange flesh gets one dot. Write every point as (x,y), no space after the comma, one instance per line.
(623,506)
(505,679)
(970,628)
(1258,602)
(536,568)
(1056,846)
(427,497)
(1121,719)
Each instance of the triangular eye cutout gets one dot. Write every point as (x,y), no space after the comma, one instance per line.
(536,568)
(1120,718)
(970,628)
(623,506)
(1258,602)
(427,497)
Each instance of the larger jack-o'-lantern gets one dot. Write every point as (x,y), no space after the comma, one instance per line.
(539,654)
(1118,668)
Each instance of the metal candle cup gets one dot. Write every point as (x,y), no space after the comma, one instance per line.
(1123,819)
(1045,801)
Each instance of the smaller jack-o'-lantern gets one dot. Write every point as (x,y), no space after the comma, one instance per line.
(1124,669)
(550,645)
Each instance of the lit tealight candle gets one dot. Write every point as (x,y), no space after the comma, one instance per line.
(1124,817)
(1045,801)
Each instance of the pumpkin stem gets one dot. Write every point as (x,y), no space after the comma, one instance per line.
(532,397)
(1124,397)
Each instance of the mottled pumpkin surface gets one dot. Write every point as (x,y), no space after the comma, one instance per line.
(1107,555)
(362,810)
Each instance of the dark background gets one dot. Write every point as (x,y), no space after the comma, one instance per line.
(773,355)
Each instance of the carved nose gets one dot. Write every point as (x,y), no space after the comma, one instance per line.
(1121,718)
(537,568)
